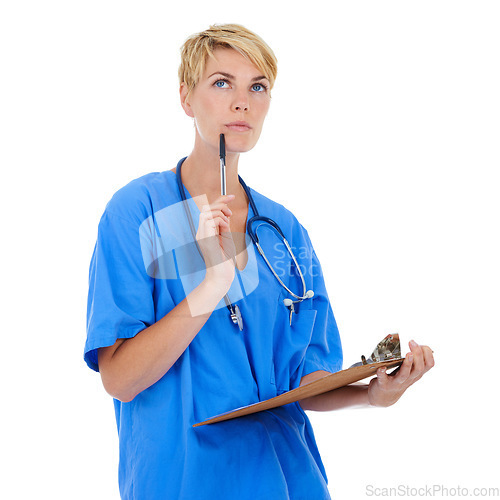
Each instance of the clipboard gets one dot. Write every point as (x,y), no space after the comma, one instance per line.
(387,353)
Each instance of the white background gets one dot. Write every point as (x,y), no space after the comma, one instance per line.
(382,138)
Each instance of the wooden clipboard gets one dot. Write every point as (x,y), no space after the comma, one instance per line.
(324,384)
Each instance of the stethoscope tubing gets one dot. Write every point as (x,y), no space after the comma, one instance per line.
(235,313)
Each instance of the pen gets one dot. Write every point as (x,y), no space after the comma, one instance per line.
(222,156)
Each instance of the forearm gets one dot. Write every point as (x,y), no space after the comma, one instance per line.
(350,396)
(139,362)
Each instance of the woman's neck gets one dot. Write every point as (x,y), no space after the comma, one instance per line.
(201,174)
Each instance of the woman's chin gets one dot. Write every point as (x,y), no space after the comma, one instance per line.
(235,146)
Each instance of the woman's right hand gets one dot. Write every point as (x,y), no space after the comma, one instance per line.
(216,243)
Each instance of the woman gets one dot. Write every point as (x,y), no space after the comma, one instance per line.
(158,327)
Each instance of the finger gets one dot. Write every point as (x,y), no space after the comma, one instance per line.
(428,357)
(418,359)
(216,206)
(225,198)
(219,210)
(219,214)
(206,221)
(227,211)
(212,214)
(221,223)
(405,369)
(225,228)
(222,202)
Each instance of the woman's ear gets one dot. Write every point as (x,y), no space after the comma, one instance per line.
(183,91)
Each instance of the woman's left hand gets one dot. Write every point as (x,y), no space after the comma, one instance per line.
(385,390)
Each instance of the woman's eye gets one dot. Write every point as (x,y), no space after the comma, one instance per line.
(259,87)
(220,83)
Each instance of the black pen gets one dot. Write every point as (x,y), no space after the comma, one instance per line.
(222,156)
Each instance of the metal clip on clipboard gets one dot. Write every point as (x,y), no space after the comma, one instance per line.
(387,349)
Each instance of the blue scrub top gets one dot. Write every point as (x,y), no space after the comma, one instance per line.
(143,265)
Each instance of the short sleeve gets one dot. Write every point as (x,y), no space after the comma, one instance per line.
(120,300)
(325,349)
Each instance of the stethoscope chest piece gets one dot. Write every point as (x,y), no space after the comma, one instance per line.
(236,316)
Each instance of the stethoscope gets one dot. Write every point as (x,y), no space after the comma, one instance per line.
(258,221)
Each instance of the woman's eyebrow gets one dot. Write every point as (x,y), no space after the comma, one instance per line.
(228,75)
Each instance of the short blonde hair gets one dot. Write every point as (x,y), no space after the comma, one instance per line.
(198,47)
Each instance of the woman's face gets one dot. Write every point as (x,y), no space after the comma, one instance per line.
(232,97)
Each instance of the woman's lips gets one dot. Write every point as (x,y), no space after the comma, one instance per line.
(238,126)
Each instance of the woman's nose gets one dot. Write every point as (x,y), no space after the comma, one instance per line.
(241,102)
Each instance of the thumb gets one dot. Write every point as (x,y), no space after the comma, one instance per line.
(382,375)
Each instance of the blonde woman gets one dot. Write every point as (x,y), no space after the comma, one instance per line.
(187,320)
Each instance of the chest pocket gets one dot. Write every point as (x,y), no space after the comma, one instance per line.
(290,344)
